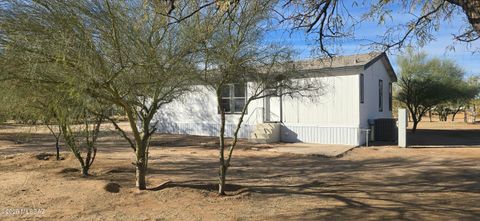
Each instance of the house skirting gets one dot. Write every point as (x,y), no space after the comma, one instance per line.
(204,129)
(288,132)
(321,134)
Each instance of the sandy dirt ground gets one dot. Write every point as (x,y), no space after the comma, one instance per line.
(375,183)
(451,134)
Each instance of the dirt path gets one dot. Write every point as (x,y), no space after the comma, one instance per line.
(376,183)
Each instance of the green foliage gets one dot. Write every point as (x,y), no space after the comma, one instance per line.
(44,72)
(426,83)
(129,54)
(232,51)
(81,138)
(55,105)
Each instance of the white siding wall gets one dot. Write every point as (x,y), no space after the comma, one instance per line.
(330,118)
(369,109)
(197,113)
(334,117)
(337,105)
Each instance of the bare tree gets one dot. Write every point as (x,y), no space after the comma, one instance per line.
(334,21)
(234,55)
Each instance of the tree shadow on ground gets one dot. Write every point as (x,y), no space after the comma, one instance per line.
(405,188)
(389,188)
(26,142)
(448,138)
(429,138)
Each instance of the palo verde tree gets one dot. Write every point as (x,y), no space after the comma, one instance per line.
(63,113)
(55,129)
(237,61)
(81,129)
(131,54)
(39,107)
(21,104)
(74,117)
(425,83)
(56,105)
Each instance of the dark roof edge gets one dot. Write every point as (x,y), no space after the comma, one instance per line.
(386,62)
(330,69)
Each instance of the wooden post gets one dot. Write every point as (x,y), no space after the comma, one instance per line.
(402,127)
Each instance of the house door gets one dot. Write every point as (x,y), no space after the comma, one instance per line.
(273,109)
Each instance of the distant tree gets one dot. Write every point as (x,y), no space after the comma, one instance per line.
(424,84)
(21,104)
(472,97)
(463,92)
(442,110)
(467,92)
(233,54)
(474,104)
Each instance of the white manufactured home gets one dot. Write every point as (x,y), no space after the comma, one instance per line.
(355,90)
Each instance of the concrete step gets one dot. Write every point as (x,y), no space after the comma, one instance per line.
(261,136)
(266,133)
(263,130)
(261,141)
(271,126)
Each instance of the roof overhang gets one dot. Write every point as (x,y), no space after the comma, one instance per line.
(386,63)
(333,71)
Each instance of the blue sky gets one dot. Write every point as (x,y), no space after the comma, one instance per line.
(463,54)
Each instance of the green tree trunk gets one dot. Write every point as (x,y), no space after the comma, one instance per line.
(140,174)
(57,146)
(141,167)
(222,174)
(85,170)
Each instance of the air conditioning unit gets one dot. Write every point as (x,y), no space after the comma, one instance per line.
(385,129)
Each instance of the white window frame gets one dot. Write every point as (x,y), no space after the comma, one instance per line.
(232,98)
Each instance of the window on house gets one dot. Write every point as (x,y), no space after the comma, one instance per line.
(233,98)
(390,96)
(362,89)
(380,95)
